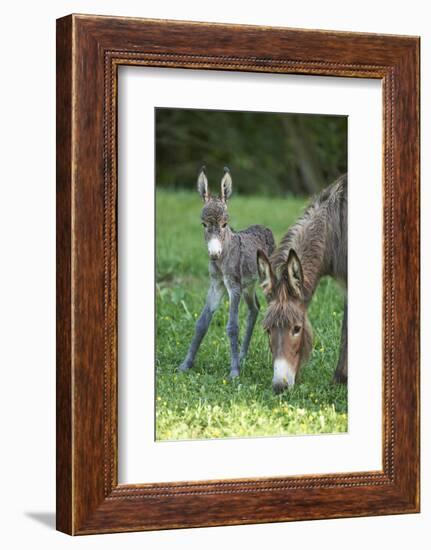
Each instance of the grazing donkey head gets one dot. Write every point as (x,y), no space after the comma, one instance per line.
(286,320)
(214,214)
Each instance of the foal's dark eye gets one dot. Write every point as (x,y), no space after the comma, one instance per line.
(224,225)
(204,224)
(296,329)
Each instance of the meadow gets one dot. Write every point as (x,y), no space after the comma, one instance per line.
(203,403)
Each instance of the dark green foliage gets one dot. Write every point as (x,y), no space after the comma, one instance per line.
(268,153)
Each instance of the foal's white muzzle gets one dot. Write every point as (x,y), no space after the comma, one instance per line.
(214,248)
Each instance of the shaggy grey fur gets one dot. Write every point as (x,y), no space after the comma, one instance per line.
(232,268)
(319,238)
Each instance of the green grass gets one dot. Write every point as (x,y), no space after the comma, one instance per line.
(203,403)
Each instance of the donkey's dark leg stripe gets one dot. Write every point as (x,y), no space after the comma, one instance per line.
(253,311)
(232,330)
(341,371)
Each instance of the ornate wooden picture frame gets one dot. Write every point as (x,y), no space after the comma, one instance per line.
(89,51)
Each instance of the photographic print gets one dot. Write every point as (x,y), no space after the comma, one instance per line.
(251,274)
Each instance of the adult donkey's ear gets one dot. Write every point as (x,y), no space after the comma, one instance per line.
(294,275)
(266,275)
(203,189)
(226,185)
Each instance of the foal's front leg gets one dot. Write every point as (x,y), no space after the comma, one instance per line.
(253,311)
(215,294)
(232,328)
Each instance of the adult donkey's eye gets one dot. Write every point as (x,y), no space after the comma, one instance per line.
(224,225)
(296,329)
(204,224)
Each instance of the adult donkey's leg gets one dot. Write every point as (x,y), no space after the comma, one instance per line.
(215,294)
(253,311)
(341,370)
(232,328)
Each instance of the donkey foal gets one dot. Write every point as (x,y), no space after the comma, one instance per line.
(232,267)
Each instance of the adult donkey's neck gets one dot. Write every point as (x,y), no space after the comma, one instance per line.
(308,237)
(319,238)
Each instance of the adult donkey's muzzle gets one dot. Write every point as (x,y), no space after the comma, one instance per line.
(284,375)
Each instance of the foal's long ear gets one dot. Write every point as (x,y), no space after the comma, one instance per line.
(226,185)
(203,189)
(294,275)
(266,275)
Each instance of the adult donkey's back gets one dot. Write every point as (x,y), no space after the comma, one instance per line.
(232,267)
(315,246)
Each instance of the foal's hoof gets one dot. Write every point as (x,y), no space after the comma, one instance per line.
(234,373)
(185,366)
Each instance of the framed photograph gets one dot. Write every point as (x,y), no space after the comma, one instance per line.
(237,274)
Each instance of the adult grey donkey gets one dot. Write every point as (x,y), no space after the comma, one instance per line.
(315,246)
(232,268)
